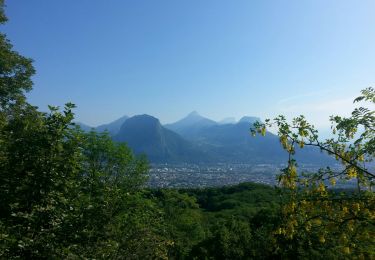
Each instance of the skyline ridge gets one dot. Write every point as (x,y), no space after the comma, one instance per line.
(193,113)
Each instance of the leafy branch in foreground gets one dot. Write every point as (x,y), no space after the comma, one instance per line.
(318,218)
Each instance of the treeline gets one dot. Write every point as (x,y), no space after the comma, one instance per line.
(234,222)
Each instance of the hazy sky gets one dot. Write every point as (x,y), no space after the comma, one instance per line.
(221,58)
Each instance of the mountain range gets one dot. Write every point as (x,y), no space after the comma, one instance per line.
(197,139)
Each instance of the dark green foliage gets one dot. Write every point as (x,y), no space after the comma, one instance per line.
(183,219)
(230,239)
(15,73)
(38,163)
(65,193)
(3,18)
(235,197)
(111,164)
(239,221)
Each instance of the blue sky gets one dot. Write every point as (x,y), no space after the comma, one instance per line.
(221,58)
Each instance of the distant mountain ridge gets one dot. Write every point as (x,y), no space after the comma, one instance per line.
(112,128)
(197,139)
(145,134)
(191,125)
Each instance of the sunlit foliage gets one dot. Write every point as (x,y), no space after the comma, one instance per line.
(319,218)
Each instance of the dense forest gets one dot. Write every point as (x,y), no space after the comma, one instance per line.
(65,193)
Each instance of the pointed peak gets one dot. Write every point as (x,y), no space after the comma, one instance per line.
(193,113)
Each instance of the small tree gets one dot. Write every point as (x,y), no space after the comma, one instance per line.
(319,218)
